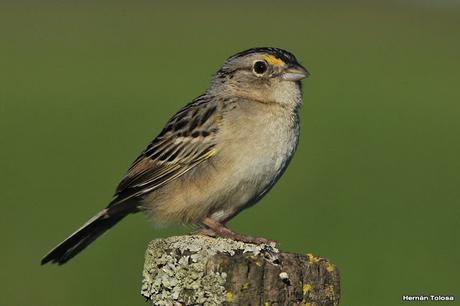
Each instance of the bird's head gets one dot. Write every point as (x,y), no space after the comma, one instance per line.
(263,74)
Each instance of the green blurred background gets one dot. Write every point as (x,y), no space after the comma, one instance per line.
(374,186)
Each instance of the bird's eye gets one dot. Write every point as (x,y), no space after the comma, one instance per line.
(260,67)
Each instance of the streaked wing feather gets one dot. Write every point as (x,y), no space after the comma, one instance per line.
(187,140)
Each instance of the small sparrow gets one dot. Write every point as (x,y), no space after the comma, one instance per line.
(218,155)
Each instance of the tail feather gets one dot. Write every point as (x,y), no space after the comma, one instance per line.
(83,237)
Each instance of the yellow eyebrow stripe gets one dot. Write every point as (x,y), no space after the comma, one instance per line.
(273,60)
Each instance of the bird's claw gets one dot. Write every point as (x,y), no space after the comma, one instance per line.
(215,228)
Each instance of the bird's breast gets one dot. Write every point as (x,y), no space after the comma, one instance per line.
(256,147)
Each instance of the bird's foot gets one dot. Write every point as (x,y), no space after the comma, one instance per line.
(215,228)
(205,232)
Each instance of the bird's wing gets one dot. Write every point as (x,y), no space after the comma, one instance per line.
(187,140)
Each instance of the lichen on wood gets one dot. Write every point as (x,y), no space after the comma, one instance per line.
(200,270)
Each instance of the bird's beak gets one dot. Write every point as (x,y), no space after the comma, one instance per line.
(294,73)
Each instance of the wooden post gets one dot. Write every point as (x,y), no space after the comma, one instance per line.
(200,270)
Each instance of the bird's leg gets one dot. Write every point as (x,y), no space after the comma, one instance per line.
(215,228)
(205,231)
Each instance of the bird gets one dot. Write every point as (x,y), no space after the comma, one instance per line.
(219,154)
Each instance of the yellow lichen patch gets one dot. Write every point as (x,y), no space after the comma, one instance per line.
(273,60)
(255,258)
(330,267)
(229,297)
(245,286)
(306,289)
(312,259)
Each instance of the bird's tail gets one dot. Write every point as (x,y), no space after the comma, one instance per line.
(83,237)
